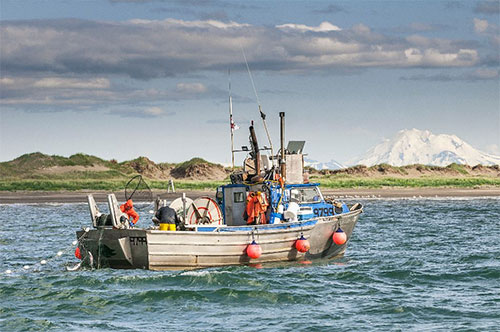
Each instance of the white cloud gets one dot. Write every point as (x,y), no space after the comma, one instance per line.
(154,111)
(461,58)
(361,29)
(413,55)
(63,92)
(486,73)
(146,49)
(480,26)
(190,24)
(137,112)
(7,81)
(70,83)
(488,30)
(323,27)
(191,87)
(481,74)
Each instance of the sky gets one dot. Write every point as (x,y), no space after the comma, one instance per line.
(127,78)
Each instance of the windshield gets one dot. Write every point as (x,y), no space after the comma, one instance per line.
(305,195)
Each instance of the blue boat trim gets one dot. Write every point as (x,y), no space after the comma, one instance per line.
(310,222)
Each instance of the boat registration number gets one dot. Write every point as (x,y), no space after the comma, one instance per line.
(138,240)
(323,212)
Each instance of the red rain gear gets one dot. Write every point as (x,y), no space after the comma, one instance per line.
(128,208)
(256,208)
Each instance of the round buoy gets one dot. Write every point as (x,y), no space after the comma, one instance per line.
(254,250)
(78,254)
(302,244)
(339,237)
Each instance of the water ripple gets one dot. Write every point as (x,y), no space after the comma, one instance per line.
(413,264)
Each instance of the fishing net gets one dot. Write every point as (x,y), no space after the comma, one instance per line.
(138,190)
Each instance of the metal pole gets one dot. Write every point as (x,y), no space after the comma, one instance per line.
(232,130)
(184,207)
(255,150)
(263,116)
(282,139)
(231,123)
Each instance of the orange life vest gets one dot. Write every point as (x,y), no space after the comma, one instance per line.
(128,208)
(256,208)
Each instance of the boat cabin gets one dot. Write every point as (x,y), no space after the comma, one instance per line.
(291,202)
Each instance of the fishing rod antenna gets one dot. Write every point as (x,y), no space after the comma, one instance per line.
(262,115)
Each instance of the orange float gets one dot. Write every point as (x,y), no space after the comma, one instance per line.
(78,254)
(302,244)
(254,250)
(339,237)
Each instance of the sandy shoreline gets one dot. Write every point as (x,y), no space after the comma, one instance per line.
(27,197)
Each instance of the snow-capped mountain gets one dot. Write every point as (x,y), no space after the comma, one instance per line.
(422,147)
(332,164)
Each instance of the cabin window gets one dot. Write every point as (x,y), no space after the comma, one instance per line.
(305,195)
(239,197)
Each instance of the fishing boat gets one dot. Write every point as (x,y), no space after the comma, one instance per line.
(268,213)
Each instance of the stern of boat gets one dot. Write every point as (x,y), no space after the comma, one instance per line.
(114,248)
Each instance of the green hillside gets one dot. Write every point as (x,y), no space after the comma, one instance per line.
(38,171)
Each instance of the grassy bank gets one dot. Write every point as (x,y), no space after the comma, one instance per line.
(40,172)
(119,184)
(406,182)
(109,185)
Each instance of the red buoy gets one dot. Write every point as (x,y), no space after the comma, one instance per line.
(339,237)
(302,244)
(254,250)
(78,254)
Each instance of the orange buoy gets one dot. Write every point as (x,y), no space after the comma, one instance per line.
(78,254)
(302,244)
(254,250)
(339,237)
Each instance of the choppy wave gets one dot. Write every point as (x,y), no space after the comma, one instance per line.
(413,264)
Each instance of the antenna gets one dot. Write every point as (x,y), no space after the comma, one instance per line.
(231,122)
(262,115)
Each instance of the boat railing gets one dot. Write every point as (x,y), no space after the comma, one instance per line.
(203,228)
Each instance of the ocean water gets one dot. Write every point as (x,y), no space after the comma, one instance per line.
(412,265)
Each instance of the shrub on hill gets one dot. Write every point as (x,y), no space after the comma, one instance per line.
(198,168)
(81,159)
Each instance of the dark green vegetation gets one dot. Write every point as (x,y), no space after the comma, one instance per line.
(37,171)
(413,176)
(471,182)
(109,185)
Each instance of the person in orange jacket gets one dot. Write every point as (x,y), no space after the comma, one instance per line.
(128,208)
(255,212)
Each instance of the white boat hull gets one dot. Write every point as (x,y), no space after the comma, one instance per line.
(163,250)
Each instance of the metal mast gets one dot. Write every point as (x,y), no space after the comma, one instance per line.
(231,122)
(282,140)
